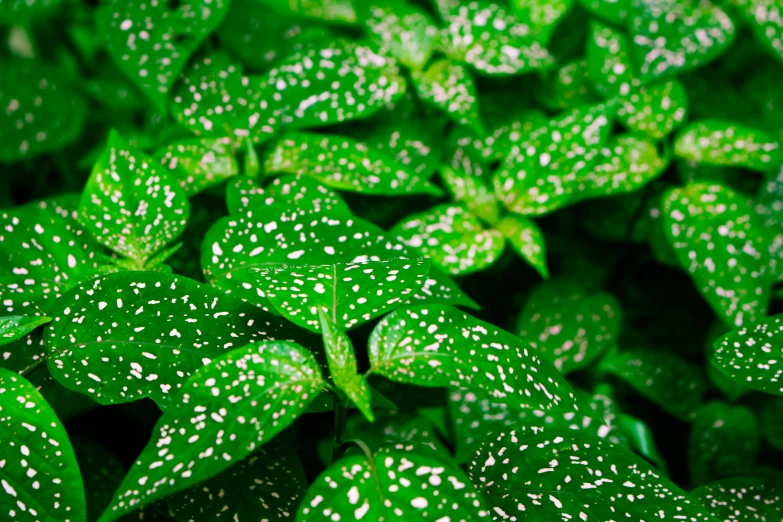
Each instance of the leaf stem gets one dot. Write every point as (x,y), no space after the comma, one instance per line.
(340,421)
(31,368)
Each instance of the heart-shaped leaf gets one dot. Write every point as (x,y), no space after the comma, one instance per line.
(344,164)
(675,36)
(717,238)
(568,325)
(246,396)
(414,144)
(245,195)
(131,205)
(551,474)
(41,111)
(335,82)
(668,381)
(125,336)
(473,192)
(39,473)
(567,88)
(266,485)
(765,18)
(198,164)
(724,442)
(402,31)
(751,354)
(15,327)
(490,38)
(216,100)
(655,109)
(449,87)
(152,41)
(717,142)
(399,482)
(442,346)
(609,65)
(350,293)
(742,499)
(454,238)
(526,239)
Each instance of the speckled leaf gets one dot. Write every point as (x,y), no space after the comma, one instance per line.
(402,31)
(541,15)
(769,206)
(449,87)
(719,241)
(235,244)
(266,485)
(413,143)
(765,18)
(398,482)
(39,473)
(130,204)
(454,238)
(491,39)
(351,293)
(41,111)
(335,82)
(47,251)
(246,396)
(473,192)
(553,476)
(151,41)
(343,163)
(609,64)
(216,100)
(613,11)
(771,417)
(665,379)
(198,164)
(526,239)
(717,142)
(567,87)
(16,11)
(568,325)
(125,336)
(742,499)
(542,172)
(655,109)
(724,442)
(442,346)
(244,195)
(675,36)
(15,327)
(336,11)
(752,354)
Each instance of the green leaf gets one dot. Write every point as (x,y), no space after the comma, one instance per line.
(41,111)
(44,248)
(102,474)
(724,442)
(771,417)
(268,484)
(15,327)
(640,438)
(398,482)
(613,11)
(336,11)
(152,41)
(543,170)
(251,166)
(665,379)
(332,83)
(350,293)
(131,205)
(235,244)
(216,100)
(568,325)
(769,206)
(567,88)
(198,164)
(609,65)
(305,193)
(449,87)
(487,36)
(125,336)
(342,365)
(473,192)
(16,11)
(557,474)
(413,143)
(741,499)
(441,346)
(246,396)
(344,164)
(541,15)
(402,31)
(454,238)
(655,109)
(675,36)
(717,142)
(751,354)
(394,427)
(526,239)
(40,476)
(765,20)
(719,241)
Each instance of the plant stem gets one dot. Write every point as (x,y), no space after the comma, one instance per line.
(30,369)
(340,419)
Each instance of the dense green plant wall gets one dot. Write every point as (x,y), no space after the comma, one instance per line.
(391,260)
